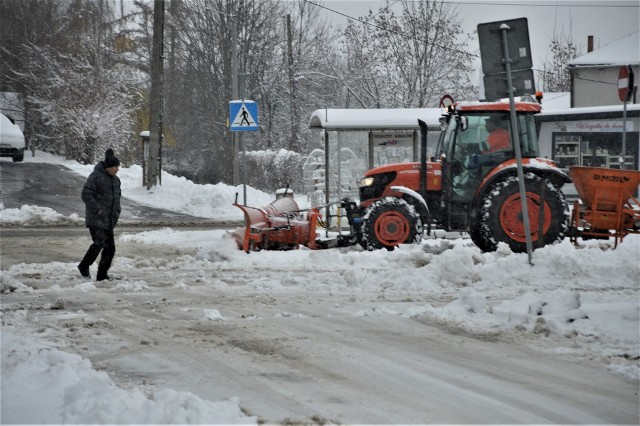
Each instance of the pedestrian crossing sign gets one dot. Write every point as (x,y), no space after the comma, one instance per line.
(243,116)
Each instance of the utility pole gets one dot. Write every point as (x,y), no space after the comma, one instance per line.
(234,95)
(154,167)
(292,89)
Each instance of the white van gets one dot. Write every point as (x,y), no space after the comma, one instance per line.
(11,140)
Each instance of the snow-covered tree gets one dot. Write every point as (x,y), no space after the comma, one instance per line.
(80,98)
(83,68)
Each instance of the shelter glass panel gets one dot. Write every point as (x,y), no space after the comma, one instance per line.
(348,160)
(393,147)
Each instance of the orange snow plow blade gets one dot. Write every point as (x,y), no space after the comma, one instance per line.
(609,208)
(278,226)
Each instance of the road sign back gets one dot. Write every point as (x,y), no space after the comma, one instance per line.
(243,116)
(495,86)
(491,52)
(493,55)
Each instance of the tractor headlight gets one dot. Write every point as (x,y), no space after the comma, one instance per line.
(368,181)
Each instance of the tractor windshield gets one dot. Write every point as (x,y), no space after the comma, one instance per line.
(492,134)
(476,143)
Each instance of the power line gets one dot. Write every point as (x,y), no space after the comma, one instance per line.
(531,4)
(448,48)
(596,81)
(409,36)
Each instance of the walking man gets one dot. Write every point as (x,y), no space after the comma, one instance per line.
(101,196)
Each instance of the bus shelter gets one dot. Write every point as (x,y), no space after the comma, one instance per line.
(356,140)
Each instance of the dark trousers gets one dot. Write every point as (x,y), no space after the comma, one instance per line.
(103,240)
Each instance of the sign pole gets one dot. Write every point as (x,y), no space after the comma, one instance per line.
(624,135)
(243,118)
(625,91)
(244,168)
(516,142)
(234,91)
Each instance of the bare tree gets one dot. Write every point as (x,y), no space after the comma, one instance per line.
(199,87)
(83,68)
(408,59)
(309,84)
(555,74)
(285,82)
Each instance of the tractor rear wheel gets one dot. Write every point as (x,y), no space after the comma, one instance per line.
(389,222)
(499,216)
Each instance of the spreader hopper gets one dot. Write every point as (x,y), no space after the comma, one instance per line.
(609,204)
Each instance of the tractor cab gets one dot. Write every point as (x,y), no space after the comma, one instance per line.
(476,138)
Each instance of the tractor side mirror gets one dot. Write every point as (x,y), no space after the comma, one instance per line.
(443,124)
(463,123)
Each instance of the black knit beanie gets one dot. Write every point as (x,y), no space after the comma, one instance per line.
(110,160)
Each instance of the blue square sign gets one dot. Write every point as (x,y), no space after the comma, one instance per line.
(243,116)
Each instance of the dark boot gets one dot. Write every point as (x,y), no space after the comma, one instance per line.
(104,277)
(84,270)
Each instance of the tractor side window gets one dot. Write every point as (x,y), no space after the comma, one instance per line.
(528,136)
(449,138)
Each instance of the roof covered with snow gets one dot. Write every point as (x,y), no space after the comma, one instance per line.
(374,119)
(633,110)
(625,51)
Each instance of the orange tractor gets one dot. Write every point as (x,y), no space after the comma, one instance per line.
(469,187)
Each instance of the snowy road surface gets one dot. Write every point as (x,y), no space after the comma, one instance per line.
(305,336)
(195,331)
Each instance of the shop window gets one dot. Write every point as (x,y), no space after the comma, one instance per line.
(593,150)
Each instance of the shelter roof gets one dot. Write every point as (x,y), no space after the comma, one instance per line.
(374,119)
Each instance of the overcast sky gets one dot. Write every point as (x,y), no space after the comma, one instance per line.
(606,20)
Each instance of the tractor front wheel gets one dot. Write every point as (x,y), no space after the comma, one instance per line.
(499,217)
(389,222)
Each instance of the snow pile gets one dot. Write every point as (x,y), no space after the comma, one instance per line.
(175,193)
(35,216)
(69,391)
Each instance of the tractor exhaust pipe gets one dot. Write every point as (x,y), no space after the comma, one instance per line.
(423,158)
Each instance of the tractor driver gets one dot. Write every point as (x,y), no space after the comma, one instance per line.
(499,137)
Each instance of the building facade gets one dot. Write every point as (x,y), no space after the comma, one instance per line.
(594,76)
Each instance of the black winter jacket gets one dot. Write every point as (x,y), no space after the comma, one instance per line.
(101,196)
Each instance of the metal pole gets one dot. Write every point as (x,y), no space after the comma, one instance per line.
(244,169)
(155,126)
(339,177)
(326,182)
(624,135)
(234,93)
(516,141)
(242,143)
